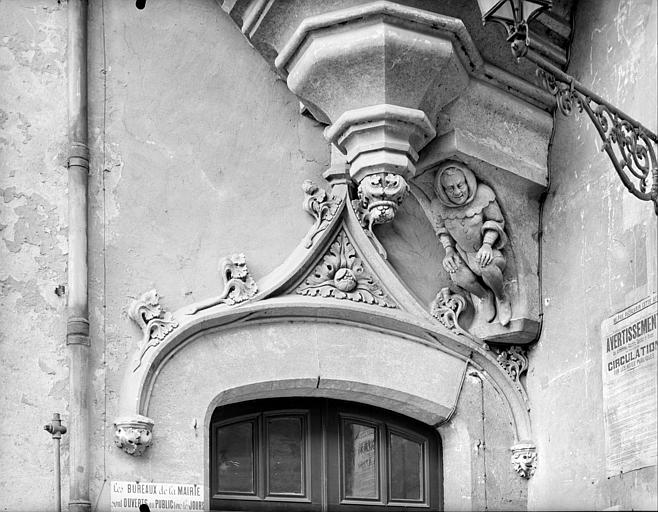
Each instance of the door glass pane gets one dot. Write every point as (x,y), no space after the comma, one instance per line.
(360,471)
(285,458)
(406,469)
(235,458)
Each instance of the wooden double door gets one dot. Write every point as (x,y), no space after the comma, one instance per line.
(313,454)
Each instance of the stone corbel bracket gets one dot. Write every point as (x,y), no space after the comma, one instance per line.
(133,434)
(524,459)
(379,74)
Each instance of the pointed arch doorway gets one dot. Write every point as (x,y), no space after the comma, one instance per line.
(319,454)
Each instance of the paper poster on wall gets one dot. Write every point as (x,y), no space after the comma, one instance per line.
(629,387)
(128,496)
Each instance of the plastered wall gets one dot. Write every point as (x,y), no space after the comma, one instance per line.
(599,256)
(33,227)
(199,152)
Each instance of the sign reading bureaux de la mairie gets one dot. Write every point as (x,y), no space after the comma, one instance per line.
(128,496)
(629,386)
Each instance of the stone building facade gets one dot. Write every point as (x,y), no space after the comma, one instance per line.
(225,231)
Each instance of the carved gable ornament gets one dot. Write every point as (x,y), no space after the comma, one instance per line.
(337,269)
(342,275)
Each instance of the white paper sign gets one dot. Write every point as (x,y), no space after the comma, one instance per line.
(128,496)
(629,387)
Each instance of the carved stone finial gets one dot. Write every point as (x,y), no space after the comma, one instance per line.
(321,207)
(524,459)
(133,434)
(239,286)
(446,308)
(154,321)
(342,275)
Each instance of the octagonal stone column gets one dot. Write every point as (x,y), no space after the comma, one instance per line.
(378,74)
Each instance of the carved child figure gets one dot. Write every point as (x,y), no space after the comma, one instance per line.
(470,226)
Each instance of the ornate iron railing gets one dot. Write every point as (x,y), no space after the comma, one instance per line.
(631,146)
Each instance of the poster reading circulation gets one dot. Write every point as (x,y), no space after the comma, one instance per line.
(629,387)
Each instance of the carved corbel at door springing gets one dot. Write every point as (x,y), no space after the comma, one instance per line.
(133,434)
(524,459)
(446,308)
(341,274)
(239,286)
(319,205)
(154,321)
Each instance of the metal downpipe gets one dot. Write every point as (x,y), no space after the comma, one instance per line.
(77,328)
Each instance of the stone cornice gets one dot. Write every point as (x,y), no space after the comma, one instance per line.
(249,14)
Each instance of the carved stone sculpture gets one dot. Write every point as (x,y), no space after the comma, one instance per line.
(321,207)
(524,459)
(381,194)
(514,360)
(154,321)
(239,286)
(471,228)
(133,434)
(446,308)
(342,275)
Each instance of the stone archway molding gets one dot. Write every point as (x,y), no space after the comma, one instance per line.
(376,301)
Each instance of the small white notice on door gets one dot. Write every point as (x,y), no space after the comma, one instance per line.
(128,496)
(629,387)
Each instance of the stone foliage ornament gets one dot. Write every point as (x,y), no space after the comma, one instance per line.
(319,205)
(471,228)
(515,362)
(524,459)
(239,286)
(152,319)
(342,275)
(133,434)
(446,308)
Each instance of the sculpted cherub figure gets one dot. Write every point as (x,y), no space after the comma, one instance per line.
(471,228)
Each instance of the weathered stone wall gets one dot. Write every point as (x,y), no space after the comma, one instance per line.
(599,256)
(199,151)
(33,223)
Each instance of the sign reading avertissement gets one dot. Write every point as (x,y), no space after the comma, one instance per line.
(128,496)
(629,387)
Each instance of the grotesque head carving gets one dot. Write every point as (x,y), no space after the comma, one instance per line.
(133,435)
(381,194)
(524,459)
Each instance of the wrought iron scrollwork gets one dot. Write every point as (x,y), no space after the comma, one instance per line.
(631,147)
